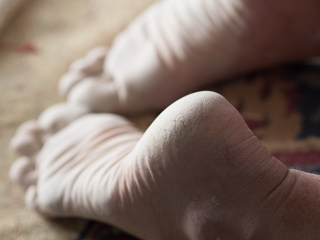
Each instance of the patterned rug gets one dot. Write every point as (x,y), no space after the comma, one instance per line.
(282,107)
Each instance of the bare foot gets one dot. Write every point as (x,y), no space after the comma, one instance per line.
(198,172)
(176,46)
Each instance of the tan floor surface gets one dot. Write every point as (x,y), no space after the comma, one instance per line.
(35,50)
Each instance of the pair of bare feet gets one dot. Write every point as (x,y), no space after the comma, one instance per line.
(198,172)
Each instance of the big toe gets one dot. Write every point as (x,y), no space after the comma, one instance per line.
(32,202)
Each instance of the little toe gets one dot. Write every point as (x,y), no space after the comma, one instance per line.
(28,139)
(23,172)
(58,116)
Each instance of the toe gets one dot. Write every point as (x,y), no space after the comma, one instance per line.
(31,198)
(87,66)
(92,64)
(69,80)
(96,59)
(60,115)
(99,96)
(98,53)
(23,172)
(28,139)
(30,126)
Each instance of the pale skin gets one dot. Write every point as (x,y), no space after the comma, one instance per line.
(198,172)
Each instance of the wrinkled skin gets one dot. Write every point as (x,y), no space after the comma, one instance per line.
(198,172)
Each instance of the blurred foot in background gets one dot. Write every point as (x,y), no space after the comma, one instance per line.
(175,47)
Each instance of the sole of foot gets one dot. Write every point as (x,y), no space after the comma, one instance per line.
(198,172)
